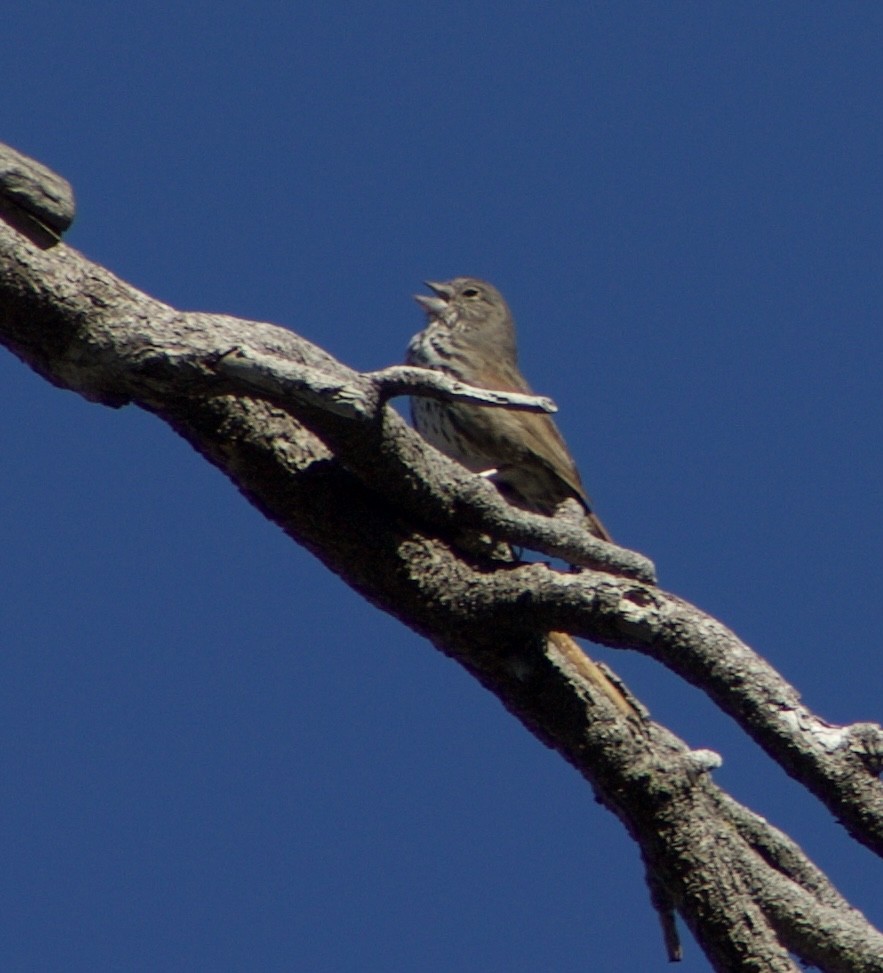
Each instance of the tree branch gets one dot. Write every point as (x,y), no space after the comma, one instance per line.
(840,765)
(322,457)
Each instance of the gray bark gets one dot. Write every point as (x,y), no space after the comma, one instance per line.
(313,445)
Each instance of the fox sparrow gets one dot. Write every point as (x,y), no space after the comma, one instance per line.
(470,335)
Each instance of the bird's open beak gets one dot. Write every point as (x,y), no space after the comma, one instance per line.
(437,304)
(442,290)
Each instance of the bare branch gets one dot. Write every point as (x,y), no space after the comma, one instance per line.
(402,525)
(662,902)
(838,764)
(365,393)
(479,506)
(411,380)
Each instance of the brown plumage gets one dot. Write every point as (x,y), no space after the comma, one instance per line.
(470,334)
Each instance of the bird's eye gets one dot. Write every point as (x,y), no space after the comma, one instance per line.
(471,292)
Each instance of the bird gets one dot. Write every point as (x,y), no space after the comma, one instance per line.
(470,335)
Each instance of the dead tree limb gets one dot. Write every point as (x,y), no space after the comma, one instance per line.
(312,445)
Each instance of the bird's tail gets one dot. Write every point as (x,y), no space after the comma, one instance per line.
(597,528)
(593,673)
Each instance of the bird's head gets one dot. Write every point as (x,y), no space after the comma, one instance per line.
(465,302)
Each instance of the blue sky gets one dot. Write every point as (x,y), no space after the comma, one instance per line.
(215,755)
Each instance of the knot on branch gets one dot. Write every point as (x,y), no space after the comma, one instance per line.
(636,614)
(700,762)
(34,200)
